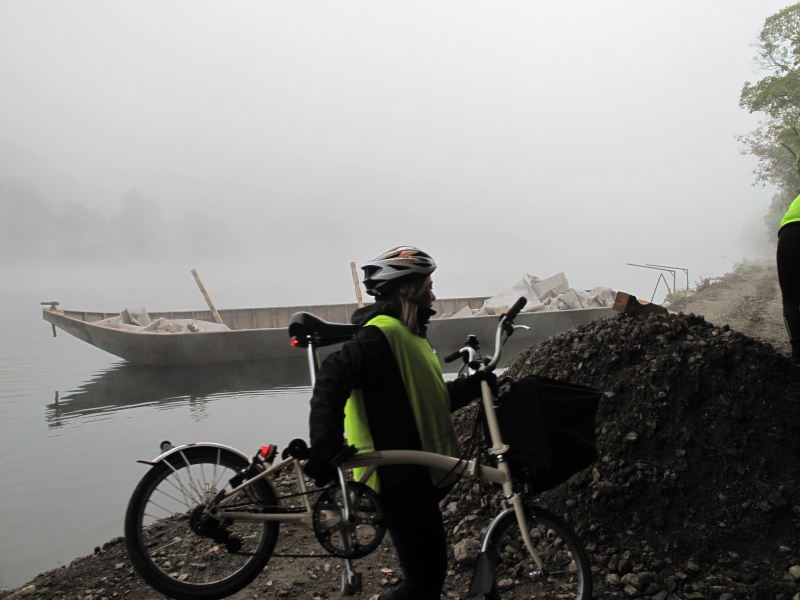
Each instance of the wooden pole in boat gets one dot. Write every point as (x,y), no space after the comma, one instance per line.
(356,284)
(214,313)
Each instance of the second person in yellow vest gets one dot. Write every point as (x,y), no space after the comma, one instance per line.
(788,262)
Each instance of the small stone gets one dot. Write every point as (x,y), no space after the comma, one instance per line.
(465,552)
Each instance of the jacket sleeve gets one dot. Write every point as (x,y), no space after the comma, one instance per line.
(340,374)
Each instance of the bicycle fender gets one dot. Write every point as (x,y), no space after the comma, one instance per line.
(175,449)
(483,576)
(488,538)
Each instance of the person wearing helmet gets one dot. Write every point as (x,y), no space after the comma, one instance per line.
(788,263)
(385,390)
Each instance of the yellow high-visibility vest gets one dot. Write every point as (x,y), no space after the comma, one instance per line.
(793,214)
(426,390)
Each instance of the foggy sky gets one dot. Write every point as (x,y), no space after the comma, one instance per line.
(503,137)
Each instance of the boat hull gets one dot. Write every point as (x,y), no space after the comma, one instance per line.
(262,333)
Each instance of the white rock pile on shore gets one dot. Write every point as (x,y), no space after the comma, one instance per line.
(553,293)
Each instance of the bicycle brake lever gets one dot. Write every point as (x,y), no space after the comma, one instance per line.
(509,328)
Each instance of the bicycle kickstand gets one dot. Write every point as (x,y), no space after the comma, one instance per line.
(351,581)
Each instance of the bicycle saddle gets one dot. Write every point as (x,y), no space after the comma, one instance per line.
(305,326)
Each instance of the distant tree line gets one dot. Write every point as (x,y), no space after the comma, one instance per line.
(776,142)
(32,230)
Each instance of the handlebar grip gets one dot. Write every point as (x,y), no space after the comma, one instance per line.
(454,356)
(514,310)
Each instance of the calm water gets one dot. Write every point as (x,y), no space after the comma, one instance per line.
(74,420)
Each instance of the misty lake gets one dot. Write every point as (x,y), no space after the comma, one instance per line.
(74,420)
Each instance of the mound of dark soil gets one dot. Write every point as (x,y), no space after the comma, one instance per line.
(698,487)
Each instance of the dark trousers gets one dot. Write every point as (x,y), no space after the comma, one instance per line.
(414,521)
(788,262)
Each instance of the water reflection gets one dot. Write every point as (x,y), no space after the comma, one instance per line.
(127,385)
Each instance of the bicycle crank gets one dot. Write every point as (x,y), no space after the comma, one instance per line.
(360,535)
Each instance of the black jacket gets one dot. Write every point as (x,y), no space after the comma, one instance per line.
(367,363)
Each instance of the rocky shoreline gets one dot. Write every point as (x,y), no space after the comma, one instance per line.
(696,495)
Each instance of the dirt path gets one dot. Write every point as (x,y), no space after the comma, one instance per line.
(748,300)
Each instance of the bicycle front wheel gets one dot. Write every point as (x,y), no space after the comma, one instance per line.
(176,548)
(567,572)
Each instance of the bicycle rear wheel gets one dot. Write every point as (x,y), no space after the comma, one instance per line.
(178,551)
(567,572)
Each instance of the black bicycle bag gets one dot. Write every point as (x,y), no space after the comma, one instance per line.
(550,428)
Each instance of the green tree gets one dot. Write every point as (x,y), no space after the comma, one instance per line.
(776,142)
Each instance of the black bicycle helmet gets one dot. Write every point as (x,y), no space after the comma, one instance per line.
(396,266)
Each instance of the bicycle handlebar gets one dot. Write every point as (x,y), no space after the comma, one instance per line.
(514,310)
(506,324)
(455,356)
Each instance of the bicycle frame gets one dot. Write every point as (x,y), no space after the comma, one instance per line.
(372,460)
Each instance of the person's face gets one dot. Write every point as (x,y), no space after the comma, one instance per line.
(428,296)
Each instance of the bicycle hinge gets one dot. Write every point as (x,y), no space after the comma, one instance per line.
(499,449)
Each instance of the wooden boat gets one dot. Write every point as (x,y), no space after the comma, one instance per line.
(256,334)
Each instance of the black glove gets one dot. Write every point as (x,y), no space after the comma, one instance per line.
(319,466)
(321,472)
(487,376)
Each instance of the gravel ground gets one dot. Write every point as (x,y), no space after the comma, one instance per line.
(696,495)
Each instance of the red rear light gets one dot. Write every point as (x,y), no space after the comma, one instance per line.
(268,452)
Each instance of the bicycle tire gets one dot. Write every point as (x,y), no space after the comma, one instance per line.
(567,569)
(169,554)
